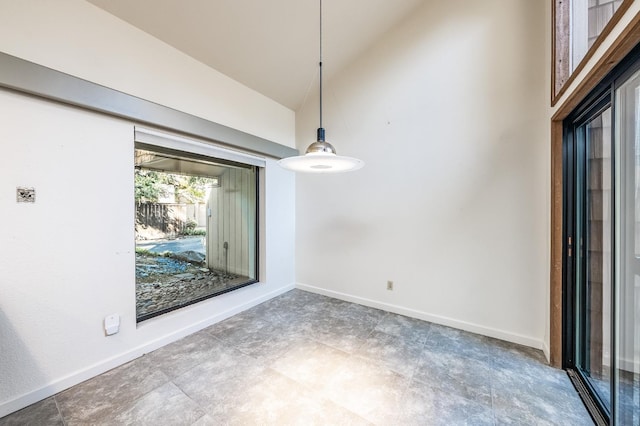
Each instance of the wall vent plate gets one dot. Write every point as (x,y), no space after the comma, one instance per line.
(25,195)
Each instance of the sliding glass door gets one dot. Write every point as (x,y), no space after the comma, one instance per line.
(602,248)
(592,255)
(627,297)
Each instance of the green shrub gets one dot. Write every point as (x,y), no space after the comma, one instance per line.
(147,252)
(194,232)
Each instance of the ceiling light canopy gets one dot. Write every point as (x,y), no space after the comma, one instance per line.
(321,156)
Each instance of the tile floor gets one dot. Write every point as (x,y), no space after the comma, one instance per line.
(307,359)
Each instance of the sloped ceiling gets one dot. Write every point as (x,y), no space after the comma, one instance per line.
(271,46)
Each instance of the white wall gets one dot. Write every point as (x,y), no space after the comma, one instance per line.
(546,345)
(448,110)
(68,260)
(80,39)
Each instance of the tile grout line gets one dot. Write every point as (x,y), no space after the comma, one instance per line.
(55,399)
(497,359)
(200,407)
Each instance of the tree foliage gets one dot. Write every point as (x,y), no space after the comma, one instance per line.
(150,185)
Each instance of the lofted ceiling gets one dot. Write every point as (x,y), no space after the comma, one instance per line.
(270,46)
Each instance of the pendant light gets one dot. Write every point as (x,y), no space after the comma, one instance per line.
(321,156)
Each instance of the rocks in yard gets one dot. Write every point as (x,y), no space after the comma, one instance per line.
(184,277)
(190,256)
(164,283)
(158,265)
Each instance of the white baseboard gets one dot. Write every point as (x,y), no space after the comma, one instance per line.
(546,351)
(60,384)
(625,364)
(629,365)
(425,316)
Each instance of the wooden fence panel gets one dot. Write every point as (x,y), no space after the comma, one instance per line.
(160,220)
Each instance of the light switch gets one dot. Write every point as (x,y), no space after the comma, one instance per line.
(111,324)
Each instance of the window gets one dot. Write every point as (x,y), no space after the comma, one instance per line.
(196,218)
(588,19)
(578,28)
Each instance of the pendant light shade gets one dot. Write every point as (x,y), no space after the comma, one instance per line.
(321,156)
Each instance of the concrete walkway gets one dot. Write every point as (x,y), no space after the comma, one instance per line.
(175,246)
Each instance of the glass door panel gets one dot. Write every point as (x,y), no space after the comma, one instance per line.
(627,297)
(602,247)
(594,233)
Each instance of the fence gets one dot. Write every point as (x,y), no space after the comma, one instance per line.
(155,220)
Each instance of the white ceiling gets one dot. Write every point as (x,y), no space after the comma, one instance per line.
(271,46)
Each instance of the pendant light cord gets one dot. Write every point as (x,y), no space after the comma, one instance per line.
(320,63)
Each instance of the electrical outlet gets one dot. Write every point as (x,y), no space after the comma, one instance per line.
(389,285)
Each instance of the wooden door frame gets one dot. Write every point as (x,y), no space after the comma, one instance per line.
(623,44)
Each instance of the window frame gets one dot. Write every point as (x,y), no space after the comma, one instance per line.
(160,141)
(574,152)
(561,74)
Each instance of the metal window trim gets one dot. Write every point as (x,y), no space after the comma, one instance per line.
(192,146)
(33,79)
